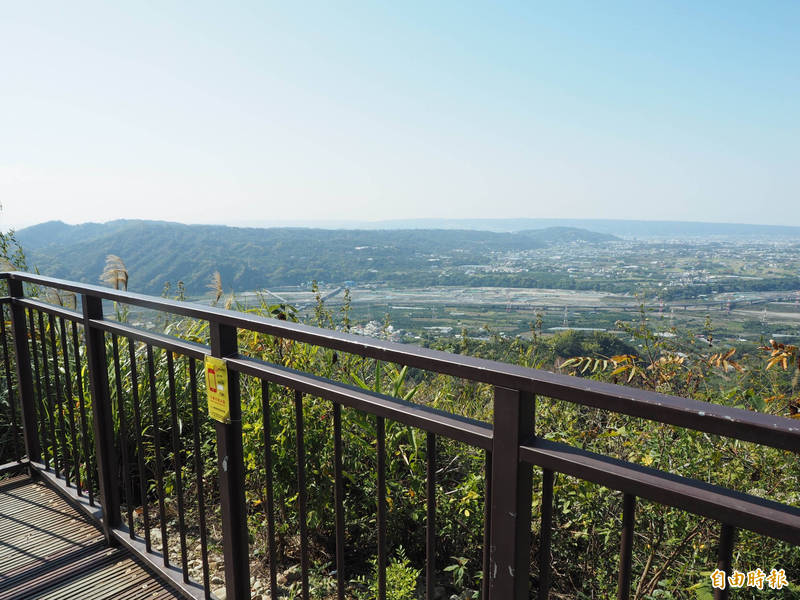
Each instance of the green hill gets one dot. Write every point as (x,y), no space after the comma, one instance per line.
(251,258)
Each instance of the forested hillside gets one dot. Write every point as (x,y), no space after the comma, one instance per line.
(250,258)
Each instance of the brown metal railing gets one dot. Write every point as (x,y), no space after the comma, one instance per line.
(75,447)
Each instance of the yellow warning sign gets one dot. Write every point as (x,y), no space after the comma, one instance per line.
(219,407)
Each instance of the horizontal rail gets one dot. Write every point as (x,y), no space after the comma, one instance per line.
(769,430)
(168,342)
(52,309)
(462,429)
(14,466)
(770,518)
(737,423)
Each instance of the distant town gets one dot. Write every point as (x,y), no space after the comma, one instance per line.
(748,290)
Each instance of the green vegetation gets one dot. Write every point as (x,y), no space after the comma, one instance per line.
(401,579)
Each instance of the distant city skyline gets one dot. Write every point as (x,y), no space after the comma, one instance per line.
(274,113)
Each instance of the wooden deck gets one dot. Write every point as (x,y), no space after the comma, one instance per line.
(50,551)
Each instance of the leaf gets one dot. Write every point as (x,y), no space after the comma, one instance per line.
(410,394)
(358,381)
(398,381)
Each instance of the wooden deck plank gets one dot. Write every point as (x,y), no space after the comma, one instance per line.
(42,578)
(51,551)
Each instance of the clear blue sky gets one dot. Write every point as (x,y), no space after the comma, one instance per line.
(223,112)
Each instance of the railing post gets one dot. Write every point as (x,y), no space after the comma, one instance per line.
(510,540)
(626,546)
(24,377)
(230,464)
(101,414)
(725,559)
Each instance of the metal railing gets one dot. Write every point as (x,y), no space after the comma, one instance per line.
(56,350)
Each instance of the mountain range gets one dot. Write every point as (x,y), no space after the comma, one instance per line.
(250,258)
(630,229)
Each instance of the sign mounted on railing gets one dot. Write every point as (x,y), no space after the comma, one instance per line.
(219,407)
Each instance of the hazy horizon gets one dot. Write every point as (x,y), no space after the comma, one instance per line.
(497,224)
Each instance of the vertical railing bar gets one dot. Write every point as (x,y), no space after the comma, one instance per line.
(82,408)
(177,452)
(301,490)
(42,410)
(546,533)
(198,470)
(430,521)
(12,404)
(123,433)
(137,421)
(487,523)
(338,499)
(725,559)
(381,508)
(49,395)
(266,420)
(27,400)
(62,434)
(162,511)
(626,546)
(70,405)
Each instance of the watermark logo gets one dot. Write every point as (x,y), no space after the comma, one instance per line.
(776,579)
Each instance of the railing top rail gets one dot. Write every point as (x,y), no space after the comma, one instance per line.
(769,430)
(743,510)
